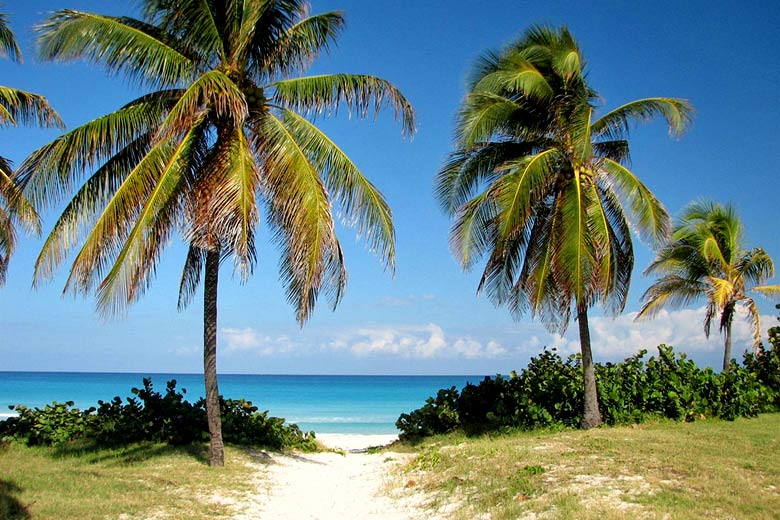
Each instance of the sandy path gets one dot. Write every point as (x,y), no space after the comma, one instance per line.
(330,486)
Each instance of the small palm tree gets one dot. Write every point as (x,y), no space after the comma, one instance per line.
(705,261)
(540,186)
(17,106)
(221,136)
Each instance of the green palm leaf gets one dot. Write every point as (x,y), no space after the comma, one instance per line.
(361,94)
(616,123)
(119,43)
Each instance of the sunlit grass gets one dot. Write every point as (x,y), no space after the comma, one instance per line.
(139,481)
(705,469)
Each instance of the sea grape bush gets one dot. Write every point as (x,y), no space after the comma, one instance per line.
(548,393)
(151,416)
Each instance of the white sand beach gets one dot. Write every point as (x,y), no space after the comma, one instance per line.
(331,485)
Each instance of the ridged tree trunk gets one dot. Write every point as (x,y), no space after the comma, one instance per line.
(216,447)
(727,347)
(590,416)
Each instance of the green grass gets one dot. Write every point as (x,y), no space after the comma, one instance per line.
(705,469)
(138,481)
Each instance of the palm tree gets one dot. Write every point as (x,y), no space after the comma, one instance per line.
(704,260)
(220,136)
(17,106)
(540,187)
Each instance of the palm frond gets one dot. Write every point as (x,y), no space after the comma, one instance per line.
(360,93)
(83,209)
(19,208)
(616,124)
(756,266)
(18,106)
(121,44)
(359,200)
(467,169)
(8,46)
(299,209)
(671,290)
(754,318)
(516,76)
(191,275)
(54,170)
(485,117)
(300,44)
(140,250)
(647,215)
(212,92)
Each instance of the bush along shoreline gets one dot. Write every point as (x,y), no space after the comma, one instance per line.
(548,393)
(154,417)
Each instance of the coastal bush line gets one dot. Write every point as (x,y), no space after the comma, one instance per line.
(549,393)
(151,416)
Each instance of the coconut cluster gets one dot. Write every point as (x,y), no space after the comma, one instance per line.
(255,97)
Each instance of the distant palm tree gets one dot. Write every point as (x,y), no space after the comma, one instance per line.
(17,106)
(705,260)
(221,136)
(540,187)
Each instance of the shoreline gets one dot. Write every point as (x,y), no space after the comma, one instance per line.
(355,442)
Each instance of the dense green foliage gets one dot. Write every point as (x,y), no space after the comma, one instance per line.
(152,416)
(548,393)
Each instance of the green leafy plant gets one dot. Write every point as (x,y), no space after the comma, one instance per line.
(152,416)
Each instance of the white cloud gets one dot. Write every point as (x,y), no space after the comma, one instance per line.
(417,341)
(622,336)
(424,341)
(248,339)
(242,339)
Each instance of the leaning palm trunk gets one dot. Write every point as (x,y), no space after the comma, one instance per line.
(727,348)
(590,414)
(216,448)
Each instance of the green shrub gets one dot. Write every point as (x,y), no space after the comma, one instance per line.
(548,393)
(151,416)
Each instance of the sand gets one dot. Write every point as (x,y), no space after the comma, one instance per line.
(353,484)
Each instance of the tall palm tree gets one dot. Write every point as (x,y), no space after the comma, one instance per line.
(220,136)
(704,260)
(539,186)
(17,106)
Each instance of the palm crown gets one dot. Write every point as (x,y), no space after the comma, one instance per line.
(221,136)
(704,260)
(17,106)
(541,186)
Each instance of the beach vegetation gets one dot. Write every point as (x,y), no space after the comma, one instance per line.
(659,469)
(17,107)
(539,185)
(548,393)
(223,132)
(138,480)
(150,416)
(706,260)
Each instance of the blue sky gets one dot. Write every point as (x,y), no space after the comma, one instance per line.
(426,319)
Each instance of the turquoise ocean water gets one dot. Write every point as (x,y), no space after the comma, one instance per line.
(324,404)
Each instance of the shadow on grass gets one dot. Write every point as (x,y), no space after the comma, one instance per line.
(127,455)
(10,506)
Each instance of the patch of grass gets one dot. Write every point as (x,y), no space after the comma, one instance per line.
(138,481)
(705,469)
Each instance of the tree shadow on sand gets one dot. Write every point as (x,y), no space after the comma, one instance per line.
(130,454)
(10,506)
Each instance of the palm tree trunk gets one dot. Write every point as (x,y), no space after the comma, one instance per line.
(590,416)
(216,448)
(727,348)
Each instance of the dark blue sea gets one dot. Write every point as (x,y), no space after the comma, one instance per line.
(324,404)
